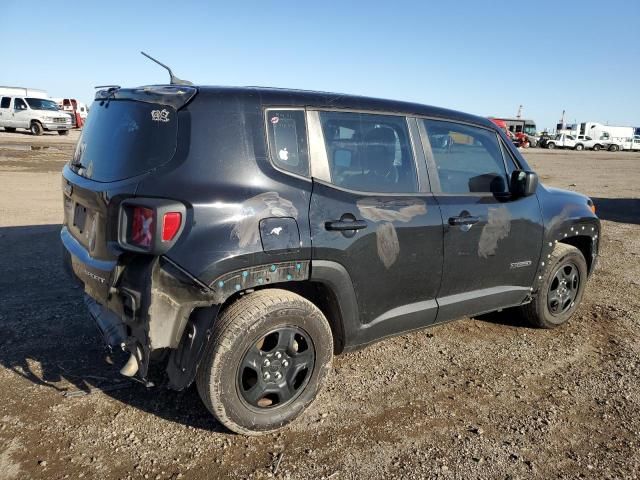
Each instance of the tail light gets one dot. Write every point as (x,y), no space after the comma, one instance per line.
(171,222)
(150,225)
(142,227)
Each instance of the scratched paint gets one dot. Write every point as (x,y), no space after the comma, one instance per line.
(264,205)
(388,244)
(391,210)
(498,227)
(386,211)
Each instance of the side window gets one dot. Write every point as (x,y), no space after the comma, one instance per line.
(369,152)
(468,159)
(287,133)
(18,104)
(6,101)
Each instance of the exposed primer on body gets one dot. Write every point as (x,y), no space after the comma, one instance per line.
(498,227)
(264,205)
(386,211)
(379,209)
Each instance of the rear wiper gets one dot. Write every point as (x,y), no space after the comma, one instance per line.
(110,93)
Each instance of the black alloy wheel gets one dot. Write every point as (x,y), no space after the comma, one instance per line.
(276,369)
(563,289)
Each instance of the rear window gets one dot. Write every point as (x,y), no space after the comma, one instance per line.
(124,138)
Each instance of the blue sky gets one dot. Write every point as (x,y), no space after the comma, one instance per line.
(484,57)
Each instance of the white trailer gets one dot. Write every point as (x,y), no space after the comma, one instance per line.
(23,92)
(610,136)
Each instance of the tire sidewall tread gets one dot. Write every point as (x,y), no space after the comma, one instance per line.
(537,311)
(246,318)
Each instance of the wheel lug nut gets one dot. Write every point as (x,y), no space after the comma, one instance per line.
(266,376)
(266,362)
(285,363)
(278,355)
(278,375)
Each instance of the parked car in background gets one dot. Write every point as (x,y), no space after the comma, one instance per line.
(585,142)
(561,140)
(34,114)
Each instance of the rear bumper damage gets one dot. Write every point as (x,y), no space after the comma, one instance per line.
(144,305)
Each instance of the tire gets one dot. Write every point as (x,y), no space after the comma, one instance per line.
(614,148)
(596,148)
(257,327)
(551,145)
(9,129)
(36,129)
(63,132)
(539,311)
(579,147)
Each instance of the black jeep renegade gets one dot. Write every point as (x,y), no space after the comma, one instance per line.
(243,236)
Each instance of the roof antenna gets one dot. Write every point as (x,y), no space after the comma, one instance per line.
(173,79)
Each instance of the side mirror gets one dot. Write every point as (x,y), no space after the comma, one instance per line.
(523,183)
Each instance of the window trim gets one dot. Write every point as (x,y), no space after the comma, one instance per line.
(265,116)
(321,159)
(436,188)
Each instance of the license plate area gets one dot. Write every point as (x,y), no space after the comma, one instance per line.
(79,217)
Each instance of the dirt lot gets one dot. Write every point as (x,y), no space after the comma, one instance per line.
(477,398)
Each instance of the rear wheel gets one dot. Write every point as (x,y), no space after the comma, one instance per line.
(596,148)
(63,132)
(551,145)
(561,289)
(614,148)
(579,147)
(268,356)
(36,128)
(9,129)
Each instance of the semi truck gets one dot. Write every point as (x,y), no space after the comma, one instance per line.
(607,137)
(523,130)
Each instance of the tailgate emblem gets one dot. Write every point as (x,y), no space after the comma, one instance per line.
(98,278)
(160,115)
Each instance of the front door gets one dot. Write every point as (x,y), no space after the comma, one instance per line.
(492,243)
(6,112)
(20,113)
(374,216)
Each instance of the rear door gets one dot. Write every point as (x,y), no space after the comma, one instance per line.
(492,243)
(372,213)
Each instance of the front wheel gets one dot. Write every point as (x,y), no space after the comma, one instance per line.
(614,148)
(561,289)
(551,145)
(579,147)
(268,356)
(36,129)
(596,148)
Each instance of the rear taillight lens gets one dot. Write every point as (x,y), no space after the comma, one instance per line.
(142,227)
(171,222)
(150,225)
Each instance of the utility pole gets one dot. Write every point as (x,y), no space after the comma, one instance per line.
(519,115)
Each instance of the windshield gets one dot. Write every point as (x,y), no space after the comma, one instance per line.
(42,104)
(530,129)
(124,138)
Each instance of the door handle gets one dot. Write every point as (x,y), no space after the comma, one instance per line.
(342,225)
(460,221)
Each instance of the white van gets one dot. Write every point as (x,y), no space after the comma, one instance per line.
(34,114)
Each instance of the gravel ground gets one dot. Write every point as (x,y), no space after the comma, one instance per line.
(477,398)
